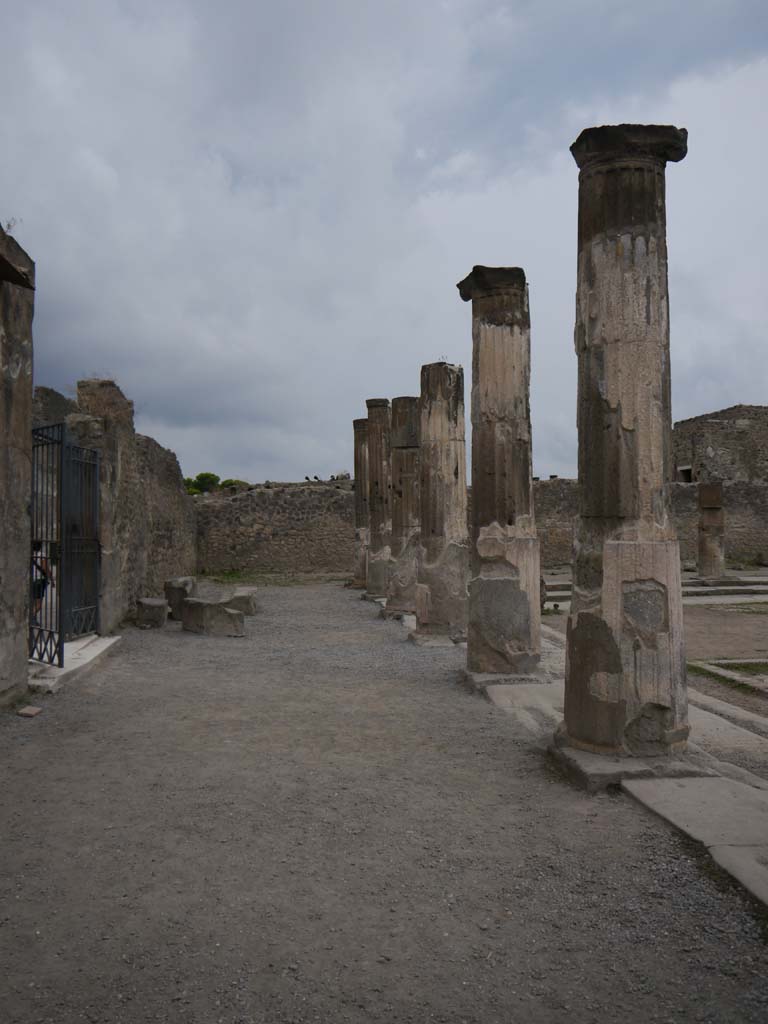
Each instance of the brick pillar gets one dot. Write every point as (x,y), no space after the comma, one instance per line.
(625,687)
(441,590)
(711,531)
(360,428)
(380,496)
(406,510)
(504,610)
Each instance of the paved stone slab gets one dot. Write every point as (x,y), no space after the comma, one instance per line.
(80,656)
(598,772)
(714,811)
(29,711)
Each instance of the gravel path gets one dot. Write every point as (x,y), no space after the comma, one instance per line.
(316,823)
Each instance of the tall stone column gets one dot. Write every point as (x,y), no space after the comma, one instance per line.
(17,302)
(504,611)
(711,532)
(441,589)
(625,686)
(360,428)
(379,496)
(406,510)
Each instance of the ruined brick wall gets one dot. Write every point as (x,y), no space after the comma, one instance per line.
(292,527)
(731,444)
(147,530)
(555,505)
(746,521)
(17,281)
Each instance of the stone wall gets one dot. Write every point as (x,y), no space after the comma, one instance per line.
(731,444)
(147,529)
(292,527)
(746,520)
(17,282)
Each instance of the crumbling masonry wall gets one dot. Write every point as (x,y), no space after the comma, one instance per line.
(731,444)
(288,527)
(147,529)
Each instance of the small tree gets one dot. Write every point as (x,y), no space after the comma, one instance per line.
(205,482)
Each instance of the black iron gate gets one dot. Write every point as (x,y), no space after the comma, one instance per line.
(64,567)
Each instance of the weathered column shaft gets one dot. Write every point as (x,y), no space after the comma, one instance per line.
(441,591)
(504,611)
(711,563)
(406,510)
(379,496)
(625,664)
(17,298)
(361,502)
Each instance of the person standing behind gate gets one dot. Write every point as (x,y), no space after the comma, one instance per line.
(41,577)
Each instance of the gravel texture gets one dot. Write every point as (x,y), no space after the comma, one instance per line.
(317,823)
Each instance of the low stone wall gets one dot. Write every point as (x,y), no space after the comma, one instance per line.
(292,527)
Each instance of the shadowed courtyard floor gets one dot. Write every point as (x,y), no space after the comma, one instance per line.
(317,823)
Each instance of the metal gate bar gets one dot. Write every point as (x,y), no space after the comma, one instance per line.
(80,519)
(46,641)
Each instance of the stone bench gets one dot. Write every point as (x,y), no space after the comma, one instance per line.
(151,612)
(212,618)
(176,592)
(243,600)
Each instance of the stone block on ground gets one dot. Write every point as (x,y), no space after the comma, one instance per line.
(244,600)
(212,618)
(151,612)
(176,592)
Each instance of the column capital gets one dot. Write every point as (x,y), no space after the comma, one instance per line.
(484,282)
(609,143)
(377,403)
(361,424)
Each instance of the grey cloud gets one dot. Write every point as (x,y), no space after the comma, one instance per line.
(236,211)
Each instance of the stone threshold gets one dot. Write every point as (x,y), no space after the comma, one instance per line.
(79,657)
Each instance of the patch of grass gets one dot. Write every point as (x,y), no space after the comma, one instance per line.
(750,668)
(273,577)
(698,670)
(744,609)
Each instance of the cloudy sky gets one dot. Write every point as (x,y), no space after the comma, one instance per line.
(253,215)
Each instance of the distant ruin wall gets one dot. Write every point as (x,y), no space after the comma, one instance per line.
(147,528)
(731,444)
(746,520)
(292,527)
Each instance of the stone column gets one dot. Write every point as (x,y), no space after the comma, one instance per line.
(625,686)
(711,531)
(441,590)
(361,503)
(17,301)
(380,496)
(406,510)
(504,611)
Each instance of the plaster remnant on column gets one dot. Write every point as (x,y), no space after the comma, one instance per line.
(441,589)
(362,532)
(379,496)
(504,608)
(406,509)
(711,563)
(625,663)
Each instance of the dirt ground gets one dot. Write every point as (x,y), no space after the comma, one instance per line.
(316,823)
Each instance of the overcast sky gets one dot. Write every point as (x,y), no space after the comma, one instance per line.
(253,215)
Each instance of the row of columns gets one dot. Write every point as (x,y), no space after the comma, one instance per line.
(625,666)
